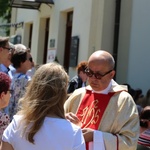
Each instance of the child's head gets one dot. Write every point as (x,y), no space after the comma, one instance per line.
(5,82)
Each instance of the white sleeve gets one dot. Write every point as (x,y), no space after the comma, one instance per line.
(8,134)
(79,143)
(98,142)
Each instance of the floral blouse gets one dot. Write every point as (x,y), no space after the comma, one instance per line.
(4,122)
(18,87)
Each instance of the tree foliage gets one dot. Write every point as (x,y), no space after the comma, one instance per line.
(5,12)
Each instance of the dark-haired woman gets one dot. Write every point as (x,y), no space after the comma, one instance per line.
(22,62)
(5,82)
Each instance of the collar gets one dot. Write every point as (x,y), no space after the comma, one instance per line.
(108,89)
(3,68)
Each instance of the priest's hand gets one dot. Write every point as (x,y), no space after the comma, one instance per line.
(88,134)
(73,118)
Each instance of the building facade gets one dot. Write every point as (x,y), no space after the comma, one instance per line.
(70,30)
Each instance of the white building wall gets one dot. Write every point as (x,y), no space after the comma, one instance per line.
(80,27)
(108,23)
(27,16)
(122,71)
(134,45)
(139,70)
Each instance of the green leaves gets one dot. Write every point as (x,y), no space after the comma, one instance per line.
(5,12)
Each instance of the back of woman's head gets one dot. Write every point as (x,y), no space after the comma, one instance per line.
(4,82)
(49,85)
(45,96)
(19,55)
(46,92)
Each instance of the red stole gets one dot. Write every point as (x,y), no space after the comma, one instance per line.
(92,109)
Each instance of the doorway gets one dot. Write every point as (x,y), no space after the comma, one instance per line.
(68,40)
(46,40)
(30,35)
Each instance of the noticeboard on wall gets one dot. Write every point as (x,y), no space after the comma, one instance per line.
(74,51)
(51,54)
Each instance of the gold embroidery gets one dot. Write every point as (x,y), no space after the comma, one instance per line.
(90,114)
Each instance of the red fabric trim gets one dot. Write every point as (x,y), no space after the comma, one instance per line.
(117,141)
(92,108)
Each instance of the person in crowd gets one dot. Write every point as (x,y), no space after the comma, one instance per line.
(6,50)
(145,101)
(144,138)
(40,123)
(80,79)
(147,97)
(31,71)
(105,110)
(131,91)
(22,62)
(138,94)
(11,69)
(139,108)
(5,82)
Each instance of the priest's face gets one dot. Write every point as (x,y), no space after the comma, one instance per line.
(99,74)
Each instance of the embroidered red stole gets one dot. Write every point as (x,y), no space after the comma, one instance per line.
(92,109)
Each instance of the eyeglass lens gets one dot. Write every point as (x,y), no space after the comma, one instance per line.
(10,49)
(97,75)
(11,91)
(31,59)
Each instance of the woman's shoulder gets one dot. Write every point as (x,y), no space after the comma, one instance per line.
(20,80)
(62,122)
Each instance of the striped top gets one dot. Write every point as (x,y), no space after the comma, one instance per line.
(144,138)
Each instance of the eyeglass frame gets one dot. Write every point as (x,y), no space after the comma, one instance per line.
(87,70)
(30,59)
(9,49)
(11,91)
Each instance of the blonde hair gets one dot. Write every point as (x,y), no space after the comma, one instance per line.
(45,96)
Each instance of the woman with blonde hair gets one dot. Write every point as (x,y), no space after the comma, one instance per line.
(40,123)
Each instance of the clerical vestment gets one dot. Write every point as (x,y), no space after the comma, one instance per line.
(118,122)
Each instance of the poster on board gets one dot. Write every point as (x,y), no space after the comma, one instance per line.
(51,55)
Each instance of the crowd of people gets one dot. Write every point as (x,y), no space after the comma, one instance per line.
(46,110)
